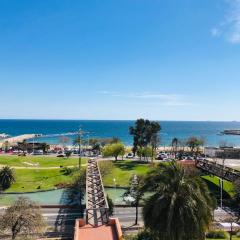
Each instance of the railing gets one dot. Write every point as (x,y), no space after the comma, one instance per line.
(219,170)
(96,202)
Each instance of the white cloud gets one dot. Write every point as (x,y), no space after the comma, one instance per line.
(215,32)
(162,99)
(230,27)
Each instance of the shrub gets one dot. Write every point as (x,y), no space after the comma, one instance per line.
(110,205)
(67,171)
(143,235)
(217,234)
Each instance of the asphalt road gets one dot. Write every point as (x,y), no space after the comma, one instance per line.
(61,221)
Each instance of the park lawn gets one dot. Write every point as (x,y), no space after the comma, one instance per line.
(43,161)
(123,170)
(227,186)
(28,180)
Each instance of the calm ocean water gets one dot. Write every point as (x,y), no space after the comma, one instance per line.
(101,128)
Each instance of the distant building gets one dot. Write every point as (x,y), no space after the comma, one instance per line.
(29,147)
(222,152)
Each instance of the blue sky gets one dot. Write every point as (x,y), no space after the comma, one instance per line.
(158,59)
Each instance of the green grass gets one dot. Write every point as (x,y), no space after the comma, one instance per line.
(213,182)
(233,238)
(29,179)
(123,170)
(43,161)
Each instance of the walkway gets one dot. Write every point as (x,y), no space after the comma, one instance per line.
(97,225)
(96,201)
(218,170)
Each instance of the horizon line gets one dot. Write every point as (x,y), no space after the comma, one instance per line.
(74,119)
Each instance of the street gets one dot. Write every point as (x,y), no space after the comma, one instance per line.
(60,221)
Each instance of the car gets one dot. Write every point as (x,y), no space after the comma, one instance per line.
(129,155)
(162,156)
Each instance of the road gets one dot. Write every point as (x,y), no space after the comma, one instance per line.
(60,221)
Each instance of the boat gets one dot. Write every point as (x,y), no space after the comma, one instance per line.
(231,132)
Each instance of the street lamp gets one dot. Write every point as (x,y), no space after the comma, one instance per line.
(221,179)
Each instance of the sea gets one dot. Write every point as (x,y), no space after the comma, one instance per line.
(53,130)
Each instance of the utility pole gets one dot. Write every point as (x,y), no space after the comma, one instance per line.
(79,142)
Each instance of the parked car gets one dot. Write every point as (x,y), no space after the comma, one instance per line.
(162,156)
(129,155)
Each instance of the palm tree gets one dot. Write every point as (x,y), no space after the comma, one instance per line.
(181,208)
(6,177)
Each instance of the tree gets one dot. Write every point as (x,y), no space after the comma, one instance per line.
(95,144)
(194,144)
(45,147)
(181,207)
(23,217)
(135,192)
(6,146)
(6,177)
(175,144)
(145,152)
(145,132)
(138,133)
(114,149)
(152,130)
(110,206)
(23,145)
(68,154)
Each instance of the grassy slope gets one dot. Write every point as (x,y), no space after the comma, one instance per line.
(123,170)
(227,186)
(29,180)
(43,161)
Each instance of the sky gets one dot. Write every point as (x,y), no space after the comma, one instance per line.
(120,59)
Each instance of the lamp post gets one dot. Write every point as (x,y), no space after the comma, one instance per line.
(221,179)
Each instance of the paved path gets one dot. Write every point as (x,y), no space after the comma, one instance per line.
(30,167)
(233,163)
